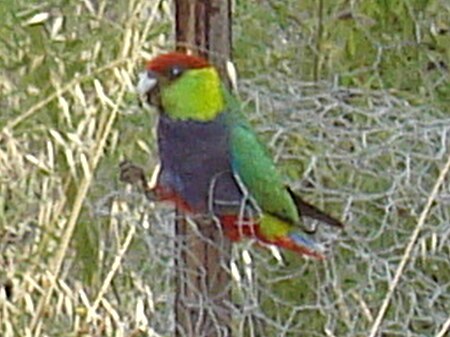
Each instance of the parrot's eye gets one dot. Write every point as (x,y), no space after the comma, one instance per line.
(175,72)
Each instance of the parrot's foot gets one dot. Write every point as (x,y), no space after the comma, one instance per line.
(131,173)
(134,175)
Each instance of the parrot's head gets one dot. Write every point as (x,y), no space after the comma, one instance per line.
(183,87)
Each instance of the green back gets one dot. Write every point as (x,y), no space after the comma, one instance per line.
(256,169)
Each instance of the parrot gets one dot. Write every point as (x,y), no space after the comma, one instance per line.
(213,162)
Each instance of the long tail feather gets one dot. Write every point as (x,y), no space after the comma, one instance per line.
(311,211)
(298,243)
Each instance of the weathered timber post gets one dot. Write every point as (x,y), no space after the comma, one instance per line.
(204,28)
(203,282)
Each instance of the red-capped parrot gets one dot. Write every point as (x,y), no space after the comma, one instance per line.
(212,162)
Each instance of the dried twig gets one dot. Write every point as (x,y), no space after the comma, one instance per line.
(409,249)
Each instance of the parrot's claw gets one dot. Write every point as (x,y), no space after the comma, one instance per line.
(134,175)
(131,173)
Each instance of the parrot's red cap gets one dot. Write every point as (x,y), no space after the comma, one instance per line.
(162,63)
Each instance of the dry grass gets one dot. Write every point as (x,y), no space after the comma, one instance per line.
(84,255)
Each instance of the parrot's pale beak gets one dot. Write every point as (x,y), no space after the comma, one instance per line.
(147,82)
(148,88)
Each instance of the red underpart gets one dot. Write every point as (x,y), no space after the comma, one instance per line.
(162,63)
(166,194)
(237,229)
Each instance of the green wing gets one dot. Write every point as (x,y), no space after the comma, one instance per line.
(255,168)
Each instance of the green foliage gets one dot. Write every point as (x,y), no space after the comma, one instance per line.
(397,45)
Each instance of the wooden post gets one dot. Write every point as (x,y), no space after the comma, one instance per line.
(203,281)
(203,27)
